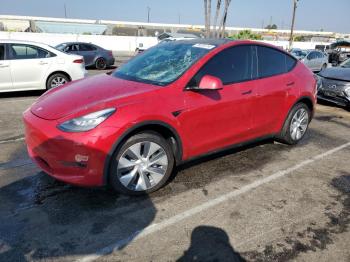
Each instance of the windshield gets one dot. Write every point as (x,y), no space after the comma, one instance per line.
(61,47)
(163,63)
(299,53)
(345,64)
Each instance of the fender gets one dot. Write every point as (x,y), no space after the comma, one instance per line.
(118,143)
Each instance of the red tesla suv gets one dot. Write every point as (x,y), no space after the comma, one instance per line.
(176,101)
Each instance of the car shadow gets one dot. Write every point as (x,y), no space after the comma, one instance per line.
(42,218)
(210,243)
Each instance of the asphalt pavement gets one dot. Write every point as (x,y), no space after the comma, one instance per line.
(262,202)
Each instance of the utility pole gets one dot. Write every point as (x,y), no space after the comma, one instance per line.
(148,12)
(179,18)
(295,2)
(65,10)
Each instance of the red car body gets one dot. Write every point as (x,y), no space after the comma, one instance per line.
(200,122)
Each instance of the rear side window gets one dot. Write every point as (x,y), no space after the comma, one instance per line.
(231,65)
(21,51)
(73,47)
(273,62)
(85,47)
(2,52)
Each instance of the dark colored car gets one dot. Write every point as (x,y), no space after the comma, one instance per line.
(174,102)
(338,52)
(93,55)
(334,84)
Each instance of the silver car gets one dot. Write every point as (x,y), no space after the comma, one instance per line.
(314,59)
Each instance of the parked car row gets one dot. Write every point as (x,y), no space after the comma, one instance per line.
(34,66)
(314,59)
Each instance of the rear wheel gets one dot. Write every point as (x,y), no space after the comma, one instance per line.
(295,125)
(100,64)
(56,80)
(142,165)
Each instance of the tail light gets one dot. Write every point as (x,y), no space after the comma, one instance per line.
(78,61)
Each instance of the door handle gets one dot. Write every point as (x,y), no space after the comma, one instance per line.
(3,66)
(247,92)
(43,63)
(290,83)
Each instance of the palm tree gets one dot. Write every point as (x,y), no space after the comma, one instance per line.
(207,14)
(218,6)
(223,19)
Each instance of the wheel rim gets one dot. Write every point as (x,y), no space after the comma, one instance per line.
(299,124)
(58,81)
(101,64)
(142,166)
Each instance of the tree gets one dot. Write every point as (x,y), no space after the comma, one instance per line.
(220,32)
(273,26)
(247,34)
(217,11)
(299,38)
(223,19)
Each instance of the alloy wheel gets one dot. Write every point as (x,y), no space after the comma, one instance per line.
(142,166)
(299,124)
(58,81)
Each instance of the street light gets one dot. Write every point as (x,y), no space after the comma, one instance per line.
(292,27)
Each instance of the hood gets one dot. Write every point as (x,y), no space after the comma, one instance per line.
(83,94)
(337,73)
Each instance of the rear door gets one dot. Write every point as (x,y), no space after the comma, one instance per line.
(272,89)
(29,65)
(215,119)
(88,52)
(5,71)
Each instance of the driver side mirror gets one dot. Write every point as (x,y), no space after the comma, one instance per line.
(209,82)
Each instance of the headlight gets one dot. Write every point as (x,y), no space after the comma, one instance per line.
(87,122)
(319,81)
(347,91)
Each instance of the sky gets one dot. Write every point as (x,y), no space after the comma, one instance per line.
(311,14)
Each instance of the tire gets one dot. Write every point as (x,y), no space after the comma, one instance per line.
(288,135)
(56,80)
(100,63)
(130,168)
(324,66)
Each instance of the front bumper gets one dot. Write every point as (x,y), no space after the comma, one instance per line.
(75,158)
(110,61)
(333,98)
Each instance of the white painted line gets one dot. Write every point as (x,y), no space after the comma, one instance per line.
(211,203)
(12,140)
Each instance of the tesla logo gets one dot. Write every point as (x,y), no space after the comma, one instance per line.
(39,109)
(332,86)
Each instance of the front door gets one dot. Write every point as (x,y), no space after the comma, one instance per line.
(216,119)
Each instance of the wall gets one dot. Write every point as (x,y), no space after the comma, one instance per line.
(126,44)
(118,44)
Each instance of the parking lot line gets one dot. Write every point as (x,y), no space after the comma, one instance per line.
(11,140)
(200,208)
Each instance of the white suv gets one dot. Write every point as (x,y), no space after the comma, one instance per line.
(30,66)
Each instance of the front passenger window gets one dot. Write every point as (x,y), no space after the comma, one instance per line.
(231,65)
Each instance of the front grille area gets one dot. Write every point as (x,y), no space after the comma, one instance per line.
(333,87)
